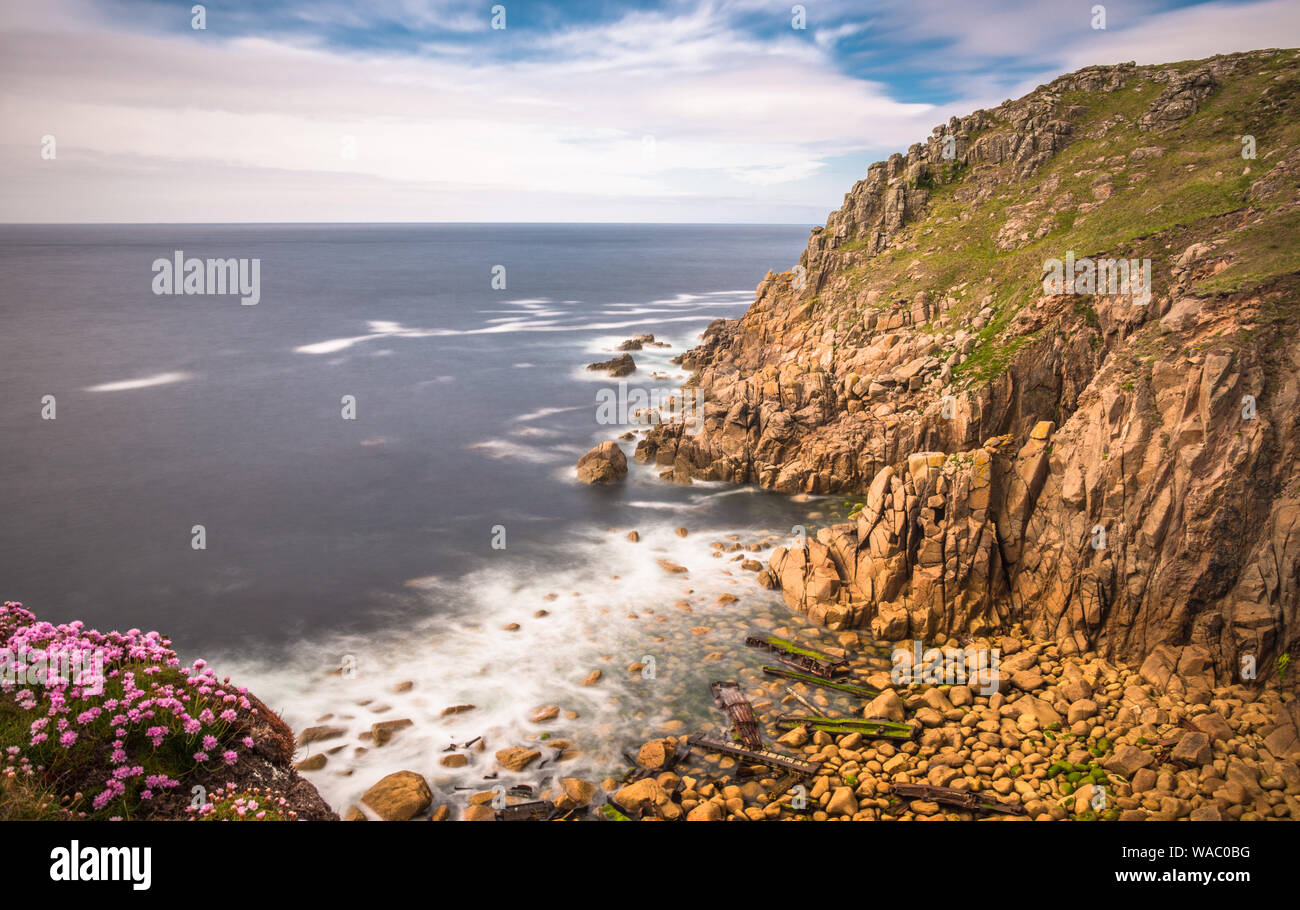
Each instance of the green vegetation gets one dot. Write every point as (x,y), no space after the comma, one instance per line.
(1113,190)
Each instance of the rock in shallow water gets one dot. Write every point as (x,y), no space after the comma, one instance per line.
(603,464)
(400,796)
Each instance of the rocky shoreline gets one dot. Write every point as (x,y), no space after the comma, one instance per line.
(1058,734)
(1061,736)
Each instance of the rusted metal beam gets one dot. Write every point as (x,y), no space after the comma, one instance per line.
(799,656)
(962,799)
(874,729)
(756,756)
(812,680)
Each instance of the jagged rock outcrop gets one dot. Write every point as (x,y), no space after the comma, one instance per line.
(1110,470)
(605,463)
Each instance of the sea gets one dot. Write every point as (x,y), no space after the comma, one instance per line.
(357,496)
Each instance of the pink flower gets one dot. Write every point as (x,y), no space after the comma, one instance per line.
(230,756)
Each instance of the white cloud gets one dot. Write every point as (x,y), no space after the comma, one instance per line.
(194,126)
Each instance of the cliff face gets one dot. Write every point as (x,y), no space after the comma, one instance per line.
(1115,471)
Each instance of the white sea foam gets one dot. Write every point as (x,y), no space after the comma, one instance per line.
(145,382)
(505,448)
(535,432)
(546,412)
(662,506)
(520,325)
(462,655)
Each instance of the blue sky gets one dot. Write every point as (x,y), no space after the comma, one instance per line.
(419,110)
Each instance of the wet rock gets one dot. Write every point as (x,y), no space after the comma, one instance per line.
(641,794)
(574,792)
(311,763)
(656,754)
(605,463)
(384,731)
(316,734)
(707,811)
(544,713)
(622,365)
(400,796)
(517,758)
(887,706)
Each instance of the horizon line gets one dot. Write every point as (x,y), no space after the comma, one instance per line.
(384,223)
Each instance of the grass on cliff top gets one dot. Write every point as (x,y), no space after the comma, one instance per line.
(1261,251)
(1156,207)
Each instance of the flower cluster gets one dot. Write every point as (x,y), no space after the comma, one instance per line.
(133,731)
(230,804)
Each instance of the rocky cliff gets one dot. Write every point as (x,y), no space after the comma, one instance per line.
(1113,471)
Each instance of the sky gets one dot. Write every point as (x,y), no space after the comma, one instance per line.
(422,110)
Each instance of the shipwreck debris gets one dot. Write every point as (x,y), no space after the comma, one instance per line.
(796,655)
(533,811)
(744,725)
(963,799)
(873,729)
(766,757)
(811,680)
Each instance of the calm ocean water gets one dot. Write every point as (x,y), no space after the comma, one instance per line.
(471,410)
(367,538)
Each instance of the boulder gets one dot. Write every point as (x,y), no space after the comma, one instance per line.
(400,796)
(605,463)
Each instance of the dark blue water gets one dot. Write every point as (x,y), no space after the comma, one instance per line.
(472,407)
